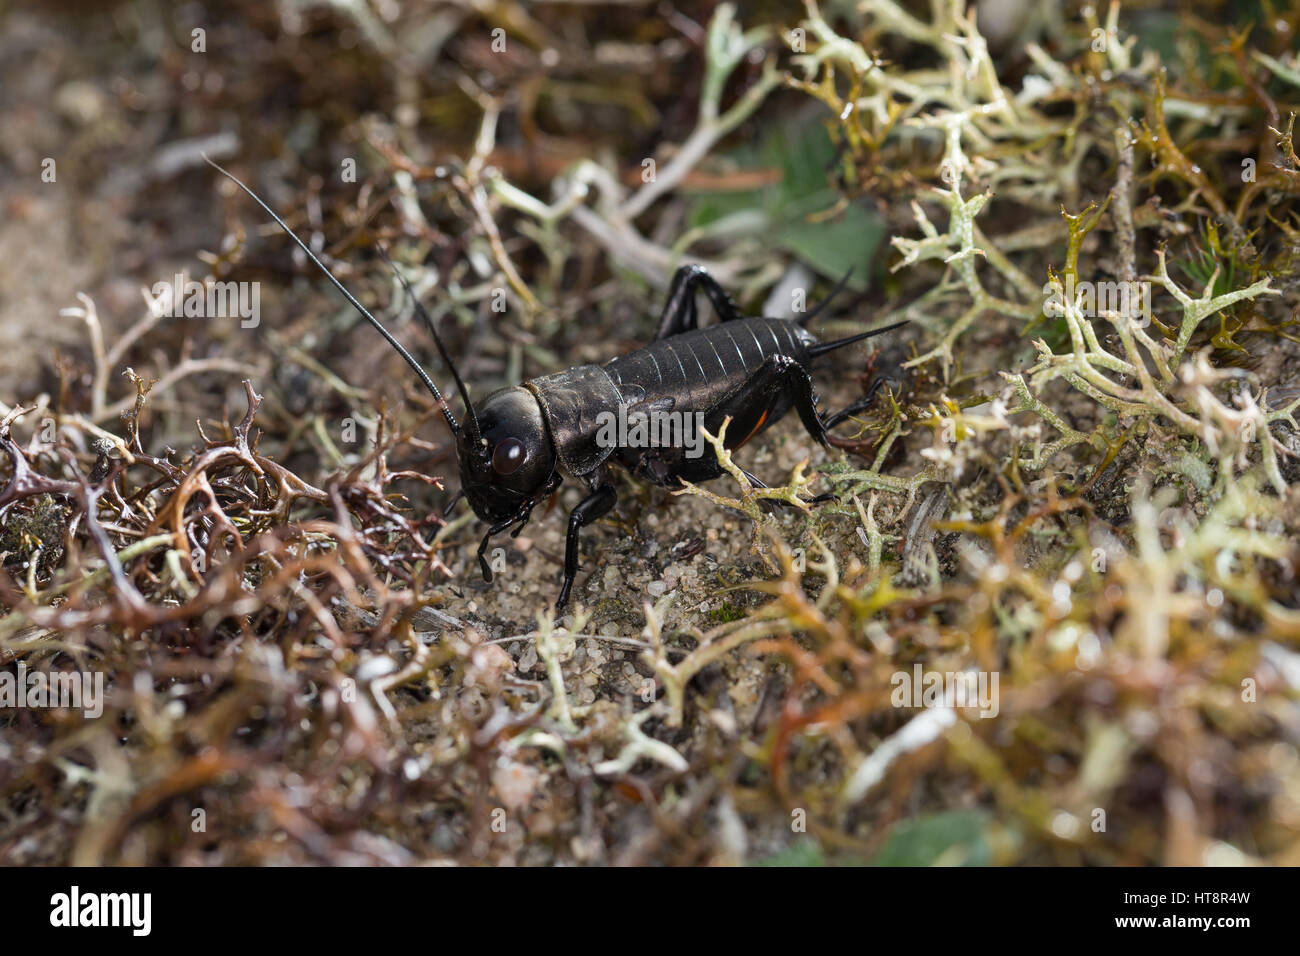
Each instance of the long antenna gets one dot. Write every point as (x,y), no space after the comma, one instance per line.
(442,349)
(410,359)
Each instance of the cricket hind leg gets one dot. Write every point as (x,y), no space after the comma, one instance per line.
(829,421)
(785,376)
(779,384)
(680,315)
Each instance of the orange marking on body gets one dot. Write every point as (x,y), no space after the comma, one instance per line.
(754,431)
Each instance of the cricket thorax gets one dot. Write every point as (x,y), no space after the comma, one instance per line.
(571,401)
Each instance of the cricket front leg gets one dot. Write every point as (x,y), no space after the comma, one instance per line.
(482,547)
(522,515)
(589,509)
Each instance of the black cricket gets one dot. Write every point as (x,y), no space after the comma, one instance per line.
(517,447)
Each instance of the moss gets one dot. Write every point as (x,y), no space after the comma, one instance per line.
(726,612)
(39,525)
(1087,496)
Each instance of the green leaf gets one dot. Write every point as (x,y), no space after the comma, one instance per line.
(804,853)
(804,153)
(832,248)
(956,837)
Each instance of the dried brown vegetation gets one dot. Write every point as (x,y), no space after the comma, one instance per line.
(1093,501)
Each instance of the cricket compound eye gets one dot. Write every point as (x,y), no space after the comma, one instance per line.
(508,456)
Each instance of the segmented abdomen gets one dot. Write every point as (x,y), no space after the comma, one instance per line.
(699,367)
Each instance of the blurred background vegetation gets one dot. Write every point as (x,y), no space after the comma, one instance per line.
(1100,510)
